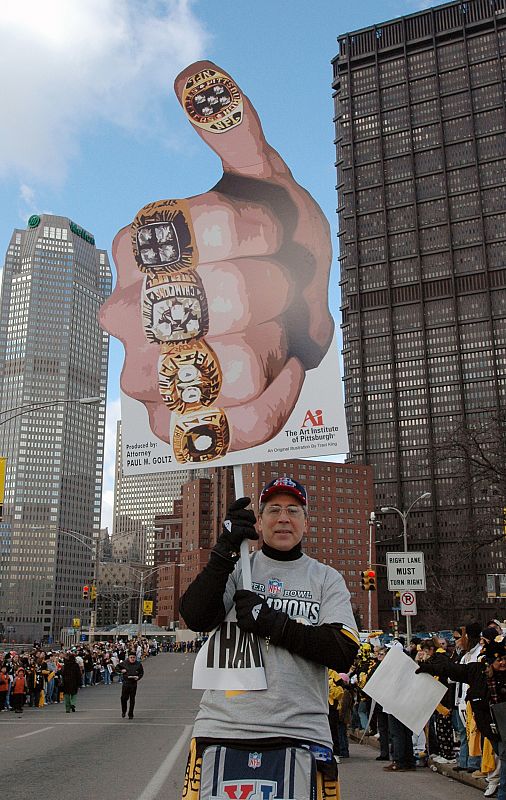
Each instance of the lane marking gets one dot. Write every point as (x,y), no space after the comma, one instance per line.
(41,730)
(123,723)
(152,789)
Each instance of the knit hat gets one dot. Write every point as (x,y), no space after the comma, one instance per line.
(344,677)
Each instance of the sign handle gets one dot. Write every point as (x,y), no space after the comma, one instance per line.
(245,563)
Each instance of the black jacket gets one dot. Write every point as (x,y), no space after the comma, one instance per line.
(132,670)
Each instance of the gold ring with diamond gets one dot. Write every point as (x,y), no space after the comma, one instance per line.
(212,101)
(189,376)
(163,239)
(174,307)
(202,436)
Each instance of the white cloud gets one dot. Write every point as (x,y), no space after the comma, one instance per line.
(113,414)
(73,64)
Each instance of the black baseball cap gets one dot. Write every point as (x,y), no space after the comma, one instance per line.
(287,486)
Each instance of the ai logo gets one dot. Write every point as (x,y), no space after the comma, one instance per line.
(313,419)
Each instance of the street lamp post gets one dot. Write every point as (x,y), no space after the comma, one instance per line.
(142,575)
(404,516)
(27,408)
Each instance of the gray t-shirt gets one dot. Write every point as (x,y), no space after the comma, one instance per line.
(295,703)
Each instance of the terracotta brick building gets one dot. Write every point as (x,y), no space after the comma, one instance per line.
(341,497)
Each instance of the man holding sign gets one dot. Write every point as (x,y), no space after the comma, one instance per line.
(300,611)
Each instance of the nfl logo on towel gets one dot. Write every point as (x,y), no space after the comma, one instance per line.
(274,586)
(255,760)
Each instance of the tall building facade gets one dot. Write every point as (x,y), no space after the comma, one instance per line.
(137,500)
(421,162)
(51,348)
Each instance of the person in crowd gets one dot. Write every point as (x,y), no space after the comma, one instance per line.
(19,691)
(340,706)
(362,668)
(301,613)
(380,716)
(440,744)
(88,667)
(50,682)
(486,680)
(71,676)
(4,686)
(470,647)
(132,672)
(403,757)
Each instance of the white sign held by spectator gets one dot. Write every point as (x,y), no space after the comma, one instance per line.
(410,698)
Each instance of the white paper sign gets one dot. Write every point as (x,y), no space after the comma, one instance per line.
(410,698)
(230,659)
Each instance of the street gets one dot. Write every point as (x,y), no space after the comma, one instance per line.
(94,753)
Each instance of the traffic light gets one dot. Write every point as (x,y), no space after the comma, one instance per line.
(93,593)
(86,592)
(368,581)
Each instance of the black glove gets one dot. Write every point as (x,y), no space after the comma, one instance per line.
(435,665)
(425,667)
(239,525)
(256,616)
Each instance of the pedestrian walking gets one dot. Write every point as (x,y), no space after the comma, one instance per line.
(132,672)
(71,676)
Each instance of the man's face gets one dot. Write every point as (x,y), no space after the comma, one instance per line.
(132,658)
(500,664)
(283,522)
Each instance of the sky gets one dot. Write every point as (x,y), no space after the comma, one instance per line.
(91,128)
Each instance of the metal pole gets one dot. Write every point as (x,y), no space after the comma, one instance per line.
(372,519)
(95,584)
(405,531)
(141,604)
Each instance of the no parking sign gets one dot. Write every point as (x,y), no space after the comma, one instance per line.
(408,604)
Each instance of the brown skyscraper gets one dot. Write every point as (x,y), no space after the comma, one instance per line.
(421,146)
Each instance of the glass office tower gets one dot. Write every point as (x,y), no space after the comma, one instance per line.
(420,136)
(137,500)
(51,348)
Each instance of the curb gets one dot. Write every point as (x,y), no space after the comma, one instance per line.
(443,769)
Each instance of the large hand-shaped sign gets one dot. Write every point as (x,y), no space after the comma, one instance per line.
(221,302)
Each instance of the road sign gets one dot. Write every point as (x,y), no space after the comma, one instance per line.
(408,604)
(405,571)
(147,607)
(76,622)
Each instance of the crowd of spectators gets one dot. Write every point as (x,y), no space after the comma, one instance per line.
(35,678)
(461,732)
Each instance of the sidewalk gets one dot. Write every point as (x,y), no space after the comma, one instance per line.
(443,769)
